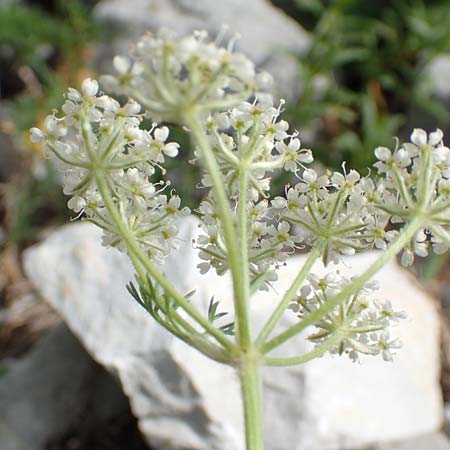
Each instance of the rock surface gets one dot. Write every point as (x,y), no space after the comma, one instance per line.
(439,71)
(47,391)
(267,34)
(433,441)
(327,404)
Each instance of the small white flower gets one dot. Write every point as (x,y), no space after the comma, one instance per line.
(407,258)
(36,135)
(161,134)
(131,108)
(121,64)
(77,203)
(279,202)
(54,127)
(171,149)
(73,95)
(309,175)
(419,137)
(383,153)
(89,87)
(402,158)
(435,137)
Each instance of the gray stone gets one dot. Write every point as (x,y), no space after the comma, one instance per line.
(267,34)
(432,441)
(184,401)
(43,394)
(439,73)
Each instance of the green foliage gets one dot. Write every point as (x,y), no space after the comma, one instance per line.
(49,49)
(3,370)
(364,71)
(71,29)
(36,203)
(213,316)
(163,309)
(159,305)
(52,47)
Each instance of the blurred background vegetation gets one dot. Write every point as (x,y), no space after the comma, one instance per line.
(44,47)
(363,78)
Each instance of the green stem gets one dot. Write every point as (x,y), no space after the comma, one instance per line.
(238,271)
(242,310)
(423,182)
(290,293)
(68,161)
(402,189)
(252,402)
(408,232)
(160,88)
(301,359)
(151,105)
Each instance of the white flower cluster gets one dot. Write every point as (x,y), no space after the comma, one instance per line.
(268,245)
(416,183)
(98,140)
(359,323)
(251,137)
(169,75)
(334,209)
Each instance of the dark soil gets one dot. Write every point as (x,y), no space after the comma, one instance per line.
(120,433)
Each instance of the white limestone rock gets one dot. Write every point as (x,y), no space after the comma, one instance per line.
(431,441)
(267,33)
(184,401)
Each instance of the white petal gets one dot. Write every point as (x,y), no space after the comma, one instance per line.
(284,227)
(131,108)
(73,94)
(294,144)
(36,135)
(353,176)
(421,236)
(76,203)
(222,120)
(387,356)
(435,137)
(51,124)
(121,64)
(338,179)
(89,87)
(407,258)
(402,157)
(139,203)
(133,176)
(382,153)
(419,137)
(161,134)
(171,149)
(278,202)
(307,157)
(309,175)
